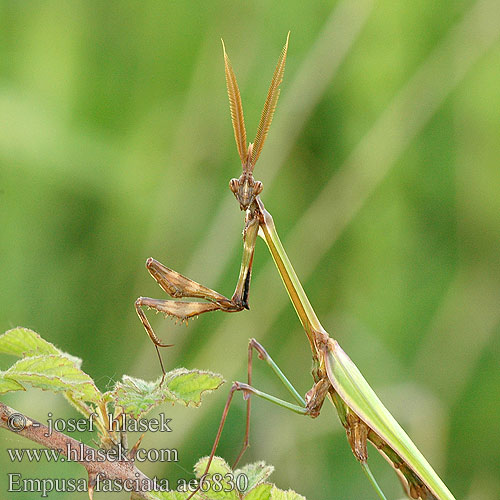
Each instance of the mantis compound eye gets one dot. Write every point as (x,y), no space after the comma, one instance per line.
(257,189)
(233,185)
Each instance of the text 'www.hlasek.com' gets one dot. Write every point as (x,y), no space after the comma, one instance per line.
(75,451)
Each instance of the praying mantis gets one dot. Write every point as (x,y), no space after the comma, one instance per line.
(335,376)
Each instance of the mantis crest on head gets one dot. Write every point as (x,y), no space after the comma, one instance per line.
(335,376)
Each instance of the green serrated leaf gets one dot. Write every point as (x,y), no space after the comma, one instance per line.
(170,495)
(260,492)
(256,473)
(277,494)
(218,466)
(55,373)
(137,397)
(23,342)
(220,477)
(8,385)
(189,385)
(75,359)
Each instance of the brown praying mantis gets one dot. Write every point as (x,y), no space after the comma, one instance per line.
(335,376)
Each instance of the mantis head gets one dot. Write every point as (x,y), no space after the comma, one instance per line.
(246,188)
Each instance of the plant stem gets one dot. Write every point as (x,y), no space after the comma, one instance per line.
(113,470)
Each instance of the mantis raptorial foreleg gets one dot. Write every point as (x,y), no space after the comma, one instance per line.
(242,290)
(178,286)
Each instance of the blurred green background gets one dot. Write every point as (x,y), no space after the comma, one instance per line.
(381,170)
